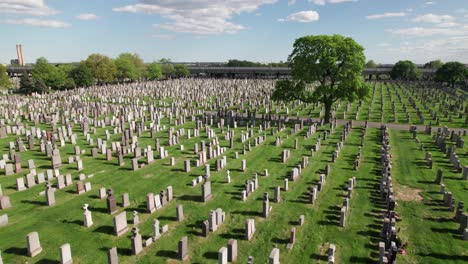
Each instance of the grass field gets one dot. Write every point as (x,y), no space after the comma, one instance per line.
(425,224)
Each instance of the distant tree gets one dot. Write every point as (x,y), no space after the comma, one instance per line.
(5,82)
(81,75)
(452,73)
(324,69)
(436,64)
(243,63)
(45,71)
(371,64)
(154,72)
(405,70)
(181,70)
(167,68)
(126,70)
(30,85)
(103,69)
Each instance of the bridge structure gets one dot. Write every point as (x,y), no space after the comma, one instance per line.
(244,72)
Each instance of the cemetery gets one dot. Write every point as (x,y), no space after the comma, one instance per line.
(214,170)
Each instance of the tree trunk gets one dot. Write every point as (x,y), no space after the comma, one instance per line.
(328,106)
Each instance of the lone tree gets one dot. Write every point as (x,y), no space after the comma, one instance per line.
(371,64)
(435,64)
(324,69)
(452,73)
(405,70)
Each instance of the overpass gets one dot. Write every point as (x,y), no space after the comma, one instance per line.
(241,72)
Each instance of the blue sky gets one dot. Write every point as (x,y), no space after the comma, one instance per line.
(218,30)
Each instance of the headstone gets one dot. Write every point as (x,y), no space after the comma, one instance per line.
(3,221)
(223,255)
(125,200)
(274,257)
(65,254)
(50,194)
(183,248)
(180,213)
(137,243)
(232,250)
(5,202)
(20,184)
(206,191)
(87,217)
(34,245)
(120,224)
(112,256)
(111,202)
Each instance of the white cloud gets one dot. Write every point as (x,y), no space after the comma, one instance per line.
(291,2)
(87,16)
(26,7)
(429,3)
(385,15)
(38,22)
(427,32)
(323,2)
(198,17)
(431,18)
(303,16)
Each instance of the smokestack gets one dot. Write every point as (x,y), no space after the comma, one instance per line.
(18,52)
(22,56)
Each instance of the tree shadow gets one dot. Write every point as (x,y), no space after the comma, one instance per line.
(17,251)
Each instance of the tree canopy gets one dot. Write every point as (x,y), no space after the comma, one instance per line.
(324,69)
(102,68)
(129,67)
(82,75)
(154,72)
(5,82)
(452,73)
(435,64)
(30,85)
(405,70)
(181,70)
(371,64)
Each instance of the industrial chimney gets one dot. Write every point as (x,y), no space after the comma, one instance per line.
(19,52)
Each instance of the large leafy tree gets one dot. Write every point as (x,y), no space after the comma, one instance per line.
(167,67)
(130,67)
(371,64)
(181,70)
(405,70)
(154,72)
(102,68)
(4,79)
(30,85)
(82,75)
(435,64)
(452,73)
(47,72)
(324,69)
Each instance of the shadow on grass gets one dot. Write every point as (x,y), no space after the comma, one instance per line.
(211,255)
(318,257)
(16,251)
(167,254)
(108,230)
(34,202)
(193,198)
(47,261)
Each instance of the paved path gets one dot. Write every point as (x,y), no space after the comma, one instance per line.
(357,123)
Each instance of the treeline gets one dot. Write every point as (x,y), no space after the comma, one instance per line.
(245,63)
(97,69)
(450,73)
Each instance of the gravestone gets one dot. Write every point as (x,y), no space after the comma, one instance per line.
(50,194)
(274,257)
(180,213)
(112,256)
(111,203)
(183,248)
(223,255)
(65,254)
(137,244)
(34,245)
(125,200)
(120,224)
(232,250)
(5,202)
(87,217)
(206,191)
(156,233)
